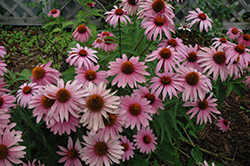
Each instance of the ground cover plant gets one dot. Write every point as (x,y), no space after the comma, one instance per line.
(134,90)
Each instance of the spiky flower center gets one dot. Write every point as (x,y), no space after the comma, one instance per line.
(219,57)
(172,42)
(223,40)
(203,104)
(132,2)
(111,120)
(202,16)
(26,89)
(192,78)
(47,102)
(3,151)
(135,109)
(119,11)
(159,21)
(128,67)
(150,97)
(165,80)
(90,75)
(83,52)
(146,139)
(126,146)
(100,148)
(63,95)
(95,102)
(192,57)
(53,11)
(72,154)
(158,5)
(235,31)
(226,122)
(81,28)
(165,53)
(99,41)
(38,72)
(240,48)
(105,33)
(1,101)
(246,37)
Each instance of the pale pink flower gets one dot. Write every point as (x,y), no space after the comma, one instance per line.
(98,103)
(127,71)
(131,6)
(98,43)
(155,101)
(67,97)
(89,73)
(195,84)
(201,18)
(221,42)
(145,140)
(11,151)
(166,83)
(244,39)
(128,148)
(176,43)
(116,15)
(206,164)
(82,33)
(223,124)
(235,69)
(25,93)
(168,59)
(137,110)
(91,4)
(234,33)
(247,81)
(7,101)
(33,163)
(203,108)
(71,155)
(2,51)
(99,152)
(2,86)
(108,44)
(3,69)
(4,119)
(214,62)
(44,75)
(54,12)
(81,56)
(104,34)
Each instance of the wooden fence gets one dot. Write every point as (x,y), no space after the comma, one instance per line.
(21,12)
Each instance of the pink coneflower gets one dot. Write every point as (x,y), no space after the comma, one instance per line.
(97,151)
(2,51)
(108,44)
(155,25)
(91,4)
(131,6)
(128,71)
(4,119)
(238,51)
(25,93)
(235,68)
(2,67)
(185,27)
(223,124)
(222,42)
(234,33)
(98,43)
(155,101)
(67,99)
(104,34)
(54,12)
(202,18)
(98,104)
(71,155)
(2,86)
(214,62)
(89,73)
(145,140)
(44,75)
(247,81)
(137,110)
(168,59)
(81,57)
(128,148)
(41,105)
(113,125)
(11,151)
(7,101)
(176,43)
(244,39)
(206,164)
(33,163)
(116,15)
(166,83)
(195,84)
(61,127)
(205,107)
(82,33)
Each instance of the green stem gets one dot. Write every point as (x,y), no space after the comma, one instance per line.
(195,33)
(120,45)
(188,137)
(137,44)
(146,48)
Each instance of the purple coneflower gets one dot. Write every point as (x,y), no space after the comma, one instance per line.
(116,15)
(3,69)
(221,42)
(223,124)
(128,148)
(54,12)
(2,51)
(82,33)
(131,6)
(33,163)
(244,39)
(234,33)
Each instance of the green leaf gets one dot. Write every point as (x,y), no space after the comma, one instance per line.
(191,162)
(26,118)
(222,94)
(50,23)
(196,154)
(25,73)
(69,74)
(65,24)
(55,30)
(92,27)
(230,88)
(155,162)
(191,132)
